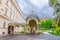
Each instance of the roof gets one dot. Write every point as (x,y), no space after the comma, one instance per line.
(32,16)
(16,23)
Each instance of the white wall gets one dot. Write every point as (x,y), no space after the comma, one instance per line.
(18,29)
(3,30)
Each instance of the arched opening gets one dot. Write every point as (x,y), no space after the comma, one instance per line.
(10,30)
(33,25)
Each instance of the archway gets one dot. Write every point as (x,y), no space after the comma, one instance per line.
(33,25)
(10,30)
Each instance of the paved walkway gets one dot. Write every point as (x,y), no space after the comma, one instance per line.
(45,36)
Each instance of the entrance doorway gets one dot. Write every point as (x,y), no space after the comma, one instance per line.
(10,30)
(33,25)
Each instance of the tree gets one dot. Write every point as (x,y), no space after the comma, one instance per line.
(56,5)
(47,24)
(56,27)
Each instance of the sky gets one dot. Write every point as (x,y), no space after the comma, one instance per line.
(41,8)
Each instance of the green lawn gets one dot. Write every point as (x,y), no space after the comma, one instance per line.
(51,32)
(45,30)
(55,33)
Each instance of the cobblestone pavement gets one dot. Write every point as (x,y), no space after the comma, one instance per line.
(31,37)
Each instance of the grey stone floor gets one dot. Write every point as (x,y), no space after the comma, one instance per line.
(31,37)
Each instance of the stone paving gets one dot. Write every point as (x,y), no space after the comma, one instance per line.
(31,37)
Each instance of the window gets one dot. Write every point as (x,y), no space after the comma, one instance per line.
(6,2)
(13,17)
(9,4)
(3,10)
(10,15)
(6,11)
(0,1)
(4,24)
(1,24)
(13,9)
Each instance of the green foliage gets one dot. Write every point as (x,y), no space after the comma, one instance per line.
(46,23)
(56,27)
(53,2)
(56,5)
(23,32)
(55,33)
